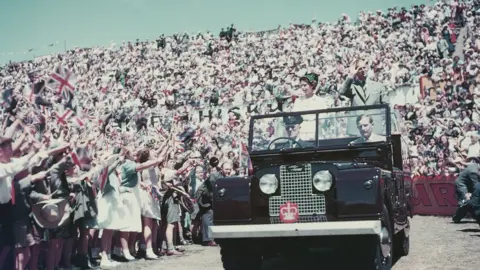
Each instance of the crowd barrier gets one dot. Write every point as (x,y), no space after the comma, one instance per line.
(434,195)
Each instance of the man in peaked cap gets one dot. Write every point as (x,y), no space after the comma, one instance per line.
(291,129)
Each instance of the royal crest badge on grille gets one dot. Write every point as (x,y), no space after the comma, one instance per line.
(289,212)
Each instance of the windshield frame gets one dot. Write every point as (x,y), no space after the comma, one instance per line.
(388,126)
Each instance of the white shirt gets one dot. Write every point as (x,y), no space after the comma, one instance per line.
(308,129)
(373,138)
(7,173)
(313,103)
(474,150)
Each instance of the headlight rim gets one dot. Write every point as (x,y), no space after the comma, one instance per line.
(328,185)
(277,184)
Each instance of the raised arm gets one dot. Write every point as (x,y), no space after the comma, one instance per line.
(346,89)
(13,128)
(19,142)
(154,162)
(114,165)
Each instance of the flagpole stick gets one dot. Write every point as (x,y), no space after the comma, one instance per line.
(172,132)
(180,191)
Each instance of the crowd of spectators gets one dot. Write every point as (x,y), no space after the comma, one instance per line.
(185,101)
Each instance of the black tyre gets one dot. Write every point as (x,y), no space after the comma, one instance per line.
(402,243)
(379,256)
(238,256)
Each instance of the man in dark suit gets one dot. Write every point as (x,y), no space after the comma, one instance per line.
(466,188)
(204,197)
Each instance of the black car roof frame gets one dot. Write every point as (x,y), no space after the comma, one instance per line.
(317,112)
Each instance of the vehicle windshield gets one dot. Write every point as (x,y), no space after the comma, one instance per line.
(335,128)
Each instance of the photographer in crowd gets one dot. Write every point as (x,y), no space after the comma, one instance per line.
(465,185)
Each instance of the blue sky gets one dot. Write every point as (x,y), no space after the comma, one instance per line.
(34,24)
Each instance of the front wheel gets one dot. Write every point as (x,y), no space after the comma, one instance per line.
(238,256)
(379,256)
(402,243)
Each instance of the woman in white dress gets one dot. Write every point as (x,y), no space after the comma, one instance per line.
(130,194)
(151,200)
(110,209)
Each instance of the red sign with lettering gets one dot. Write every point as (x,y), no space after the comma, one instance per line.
(434,195)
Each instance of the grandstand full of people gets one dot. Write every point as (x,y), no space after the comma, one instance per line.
(106,153)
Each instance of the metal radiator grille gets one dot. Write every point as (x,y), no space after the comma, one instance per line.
(303,219)
(296,187)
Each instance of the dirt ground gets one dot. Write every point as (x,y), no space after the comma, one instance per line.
(435,243)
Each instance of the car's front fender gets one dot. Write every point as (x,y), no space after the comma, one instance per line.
(232,200)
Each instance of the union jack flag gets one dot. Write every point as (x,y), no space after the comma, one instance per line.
(33,76)
(84,116)
(179,145)
(197,134)
(62,118)
(7,97)
(62,81)
(245,154)
(102,178)
(29,91)
(182,139)
(67,115)
(80,156)
(155,193)
(162,132)
(38,117)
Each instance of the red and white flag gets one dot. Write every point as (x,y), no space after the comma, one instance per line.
(179,145)
(30,90)
(102,178)
(62,81)
(162,132)
(63,118)
(244,153)
(80,156)
(68,117)
(78,121)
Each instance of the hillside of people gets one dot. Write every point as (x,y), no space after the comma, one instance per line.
(189,98)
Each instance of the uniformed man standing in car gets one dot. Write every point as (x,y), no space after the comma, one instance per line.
(465,185)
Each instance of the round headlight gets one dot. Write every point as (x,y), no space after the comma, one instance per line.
(268,184)
(322,180)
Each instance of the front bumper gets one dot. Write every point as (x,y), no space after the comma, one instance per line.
(369,227)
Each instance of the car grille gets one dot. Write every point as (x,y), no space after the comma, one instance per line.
(302,219)
(297,187)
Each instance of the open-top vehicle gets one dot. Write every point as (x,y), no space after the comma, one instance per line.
(325,178)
